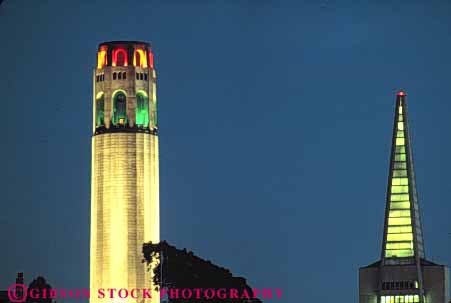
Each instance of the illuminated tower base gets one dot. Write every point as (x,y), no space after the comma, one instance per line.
(125,177)
(403,275)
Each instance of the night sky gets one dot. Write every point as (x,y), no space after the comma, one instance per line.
(275,128)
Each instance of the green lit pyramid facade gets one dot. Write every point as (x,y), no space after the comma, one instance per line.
(402,233)
(403,275)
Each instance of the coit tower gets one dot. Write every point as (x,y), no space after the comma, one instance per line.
(125,181)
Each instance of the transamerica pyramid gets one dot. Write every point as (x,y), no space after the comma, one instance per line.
(403,275)
(403,236)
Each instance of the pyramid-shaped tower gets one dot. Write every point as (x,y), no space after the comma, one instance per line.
(403,275)
(403,236)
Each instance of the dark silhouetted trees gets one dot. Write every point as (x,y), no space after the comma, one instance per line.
(182,269)
(43,293)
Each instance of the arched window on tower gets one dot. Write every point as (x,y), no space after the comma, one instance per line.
(150,59)
(119,108)
(140,58)
(120,57)
(137,59)
(142,109)
(101,57)
(100,110)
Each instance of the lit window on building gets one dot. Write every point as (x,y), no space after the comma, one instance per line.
(100,109)
(142,109)
(400,299)
(119,108)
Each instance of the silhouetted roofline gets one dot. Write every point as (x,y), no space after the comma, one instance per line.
(124,42)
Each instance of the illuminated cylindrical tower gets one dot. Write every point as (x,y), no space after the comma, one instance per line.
(125,181)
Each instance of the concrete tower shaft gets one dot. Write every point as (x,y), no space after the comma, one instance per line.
(125,173)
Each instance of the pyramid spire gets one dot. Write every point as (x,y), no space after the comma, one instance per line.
(403,274)
(403,237)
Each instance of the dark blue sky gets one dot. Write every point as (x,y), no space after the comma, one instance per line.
(275,124)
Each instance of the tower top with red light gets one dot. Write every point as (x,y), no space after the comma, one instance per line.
(401,94)
(125,53)
(124,88)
